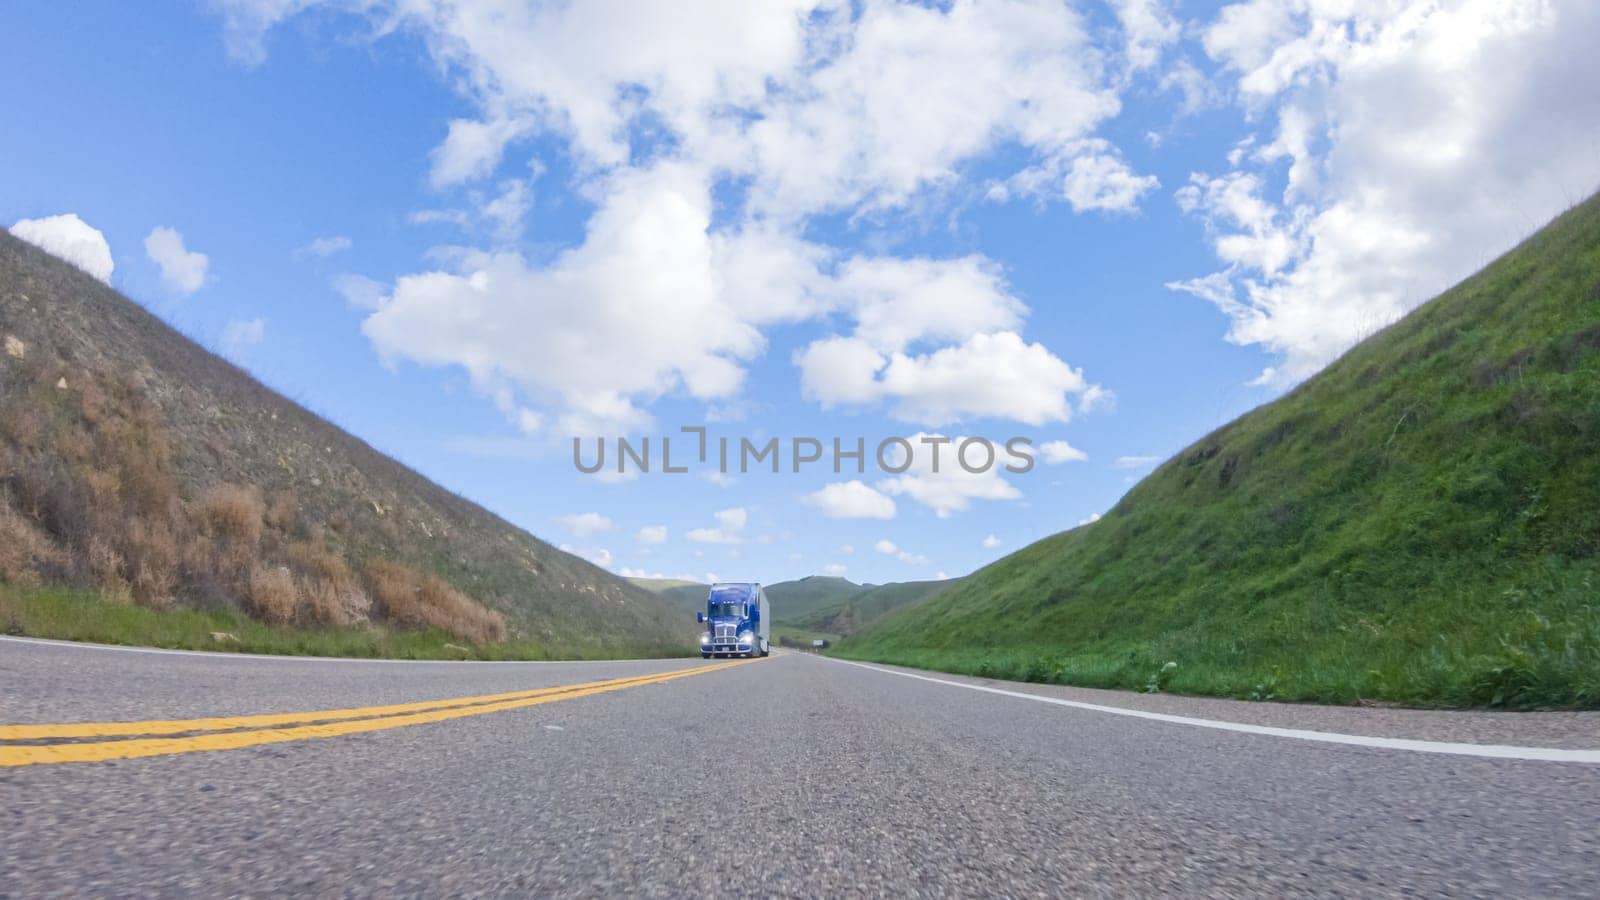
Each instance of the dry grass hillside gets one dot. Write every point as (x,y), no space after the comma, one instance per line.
(136,464)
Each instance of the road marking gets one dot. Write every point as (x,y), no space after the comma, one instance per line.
(1489,751)
(272,657)
(434,711)
(154,727)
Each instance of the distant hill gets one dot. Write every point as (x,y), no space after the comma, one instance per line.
(657,585)
(1419,523)
(685,597)
(136,464)
(794,600)
(866,606)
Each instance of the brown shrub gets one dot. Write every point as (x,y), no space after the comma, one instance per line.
(74,443)
(282,509)
(92,402)
(319,602)
(412,599)
(234,515)
(104,488)
(147,485)
(153,561)
(318,561)
(330,593)
(233,512)
(22,426)
(272,594)
(105,563)
(24,549)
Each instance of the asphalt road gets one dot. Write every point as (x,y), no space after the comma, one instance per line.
(792,775)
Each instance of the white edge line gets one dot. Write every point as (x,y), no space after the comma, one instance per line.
(241,654)
(1488,751)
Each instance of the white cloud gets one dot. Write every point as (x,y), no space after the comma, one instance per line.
(182,269)
(836,570)
(600,556)
(241,334)
(652,534)
(70,238)
(360,291)
(586,524)
(995,375)
(1135,462)
(900,305)
(851,500)
(1092,517)
(642,287)
(323,247)
(1410,142)
(1094,178)
(729,528)
(990,542)
(1057,452)
(952,488)
(472,149)
(801,105)
(1148,28)
(846,549)
(888,548)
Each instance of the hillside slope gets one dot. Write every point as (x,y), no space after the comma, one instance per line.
(794,600)
(867,606)
(137,464)
(1418,523)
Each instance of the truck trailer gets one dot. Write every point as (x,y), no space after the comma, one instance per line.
(737,619)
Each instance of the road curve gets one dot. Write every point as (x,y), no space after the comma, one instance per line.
(793,775)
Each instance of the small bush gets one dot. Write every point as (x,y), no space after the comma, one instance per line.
(24,549)
(105,563)
(411,599)
(234,516)
(330,593)
(153,562)
(272,594)
(282,510)
(233,512)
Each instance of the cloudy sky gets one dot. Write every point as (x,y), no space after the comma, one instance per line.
(470,231)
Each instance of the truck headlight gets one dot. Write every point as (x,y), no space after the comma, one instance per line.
(705,638)
(746,637)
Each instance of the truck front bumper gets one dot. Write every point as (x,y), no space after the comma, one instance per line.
(726,649)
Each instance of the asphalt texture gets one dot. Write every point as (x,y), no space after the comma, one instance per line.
(793,775)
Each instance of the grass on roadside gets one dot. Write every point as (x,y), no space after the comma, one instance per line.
(1419,524)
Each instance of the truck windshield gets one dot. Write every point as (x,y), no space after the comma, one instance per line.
(728,609)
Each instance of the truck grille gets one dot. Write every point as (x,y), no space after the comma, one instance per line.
(726,633)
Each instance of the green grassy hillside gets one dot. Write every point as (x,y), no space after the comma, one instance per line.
(1419,523)
(793,601)
(868,605)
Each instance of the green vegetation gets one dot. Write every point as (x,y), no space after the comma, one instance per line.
(792,635)
(793,601)
(77,615)
(1419,524)
(865,606)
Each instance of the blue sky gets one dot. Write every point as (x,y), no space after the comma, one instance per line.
(469,233)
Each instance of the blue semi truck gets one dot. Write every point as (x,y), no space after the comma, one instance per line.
(737,620)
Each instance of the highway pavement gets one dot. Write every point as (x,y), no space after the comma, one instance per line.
(134,773)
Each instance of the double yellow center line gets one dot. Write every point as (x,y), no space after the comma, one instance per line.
(161,737)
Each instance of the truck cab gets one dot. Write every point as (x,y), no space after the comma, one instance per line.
(737,620)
